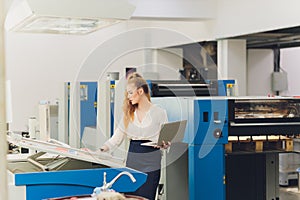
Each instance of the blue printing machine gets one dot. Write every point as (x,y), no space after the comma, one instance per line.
(43,185)
(71,172)
(206,149)
(208,130)
(211,120)
(88,105)
(88,109)
(206,156)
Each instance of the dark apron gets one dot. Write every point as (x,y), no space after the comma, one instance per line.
(148,160)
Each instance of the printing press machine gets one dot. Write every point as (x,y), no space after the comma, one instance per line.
(57,170)
(167,88)
(231,146)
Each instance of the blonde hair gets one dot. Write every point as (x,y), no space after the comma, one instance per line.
(128,108)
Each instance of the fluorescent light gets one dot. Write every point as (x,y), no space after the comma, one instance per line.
(59,25)
(74,16)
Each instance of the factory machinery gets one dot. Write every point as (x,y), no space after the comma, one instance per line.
(231,146)
(58,170)
(51,168)
(229,151)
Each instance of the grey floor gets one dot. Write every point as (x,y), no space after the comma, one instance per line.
(289,193)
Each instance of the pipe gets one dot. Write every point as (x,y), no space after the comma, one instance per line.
(3,127)
(276,52)
(106,186)
(109,185)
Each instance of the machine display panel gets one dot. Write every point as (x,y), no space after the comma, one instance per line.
(267,109)
(270,116)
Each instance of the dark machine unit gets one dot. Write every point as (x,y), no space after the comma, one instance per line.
(264,116)
(251,170)
(183,88)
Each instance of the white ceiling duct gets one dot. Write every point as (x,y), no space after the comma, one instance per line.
(74,16)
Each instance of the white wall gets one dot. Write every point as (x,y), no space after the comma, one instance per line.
(259,69)
(39,64)
(175,9)
(232,63)
(170,61)
(238,17)
(290,62)
(224,18)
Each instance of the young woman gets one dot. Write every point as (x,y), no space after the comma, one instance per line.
(141,123)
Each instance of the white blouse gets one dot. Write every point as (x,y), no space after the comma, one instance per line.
(147,129)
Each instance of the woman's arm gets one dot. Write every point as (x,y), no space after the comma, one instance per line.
(114,141)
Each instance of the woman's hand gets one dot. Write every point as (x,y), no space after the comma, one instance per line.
(164,145)
(104,148)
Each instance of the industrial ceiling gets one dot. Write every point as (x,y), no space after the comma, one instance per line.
(281,38)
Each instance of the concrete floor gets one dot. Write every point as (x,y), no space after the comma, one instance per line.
(289,193)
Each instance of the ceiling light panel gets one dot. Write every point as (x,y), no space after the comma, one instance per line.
(58,25)
(74,16)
